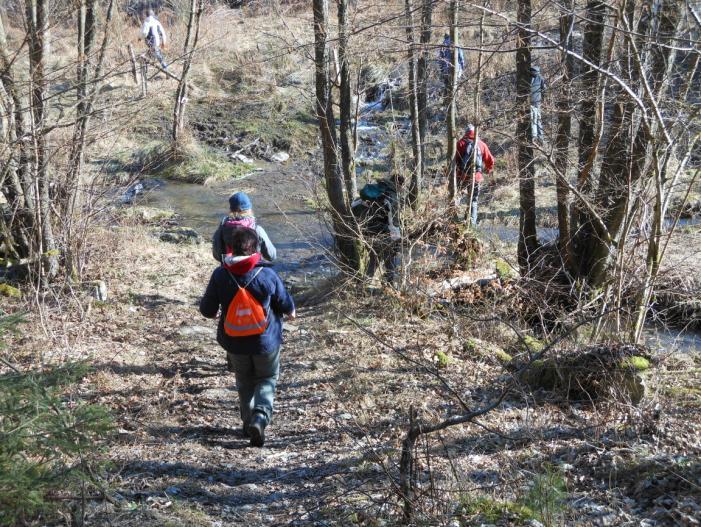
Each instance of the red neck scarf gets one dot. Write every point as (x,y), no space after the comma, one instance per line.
(240,265)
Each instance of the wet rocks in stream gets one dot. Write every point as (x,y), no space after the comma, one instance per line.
(180,235)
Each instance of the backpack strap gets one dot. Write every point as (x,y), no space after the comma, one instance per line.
(247,283)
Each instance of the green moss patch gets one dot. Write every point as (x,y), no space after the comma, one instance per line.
(9,291)
(502,356)
(636,363)
(533,344)
(486,509)
(442,359)
(504,270)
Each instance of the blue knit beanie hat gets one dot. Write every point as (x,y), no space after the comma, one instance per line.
(240,202)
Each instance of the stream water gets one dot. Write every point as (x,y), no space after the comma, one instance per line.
(303,242)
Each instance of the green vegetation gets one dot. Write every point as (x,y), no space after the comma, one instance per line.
(503,269)
(47,438)
(636,363)
(10,291)
(491,510)
(470,345)
(547,495)
(502,356)
(442,359)
(186,163)
(192,163)
(533,344)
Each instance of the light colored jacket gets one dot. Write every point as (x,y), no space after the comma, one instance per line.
(151,24)
(267,249)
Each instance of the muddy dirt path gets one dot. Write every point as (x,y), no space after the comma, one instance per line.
(180,453)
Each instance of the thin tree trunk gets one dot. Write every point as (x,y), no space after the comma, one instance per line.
(477,105)
(407,479)
(562,139)
(527,239)
(452,110)
(87,88)
(591,50)
(37,21)
(422,76)
(417,168)
(17,187)
(189,47)
(347,151)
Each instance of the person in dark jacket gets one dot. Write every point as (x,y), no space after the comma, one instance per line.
(537,96)
(378,219)
(445,62)
(254,359)
(241,215)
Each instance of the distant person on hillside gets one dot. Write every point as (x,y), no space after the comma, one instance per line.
(469,161)
(240,215)
(155,37)
(537,96)
(252,300)
(445,62)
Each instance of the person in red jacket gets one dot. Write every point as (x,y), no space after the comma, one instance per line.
(465,157)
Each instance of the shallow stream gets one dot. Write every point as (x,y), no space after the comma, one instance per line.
(282,205)
(294,227)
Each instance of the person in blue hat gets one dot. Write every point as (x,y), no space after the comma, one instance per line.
(240,216)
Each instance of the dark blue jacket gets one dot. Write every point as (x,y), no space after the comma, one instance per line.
(268,289)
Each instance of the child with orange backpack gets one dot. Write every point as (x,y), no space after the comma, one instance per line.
(253,300)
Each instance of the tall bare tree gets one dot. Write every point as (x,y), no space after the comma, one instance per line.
(562,139)
(527,239)
(416,144)
(346,242)
(452,109)
(37,13)
(422,67)
(189,47)
(88,78)
(346,103)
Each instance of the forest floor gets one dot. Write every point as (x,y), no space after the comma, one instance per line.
(353,364)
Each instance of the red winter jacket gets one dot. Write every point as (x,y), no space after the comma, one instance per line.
(487,158)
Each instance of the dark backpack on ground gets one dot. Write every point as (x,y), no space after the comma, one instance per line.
(371,211)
